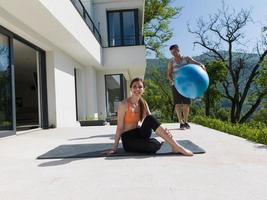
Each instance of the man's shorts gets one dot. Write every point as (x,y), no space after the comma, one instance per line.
(178,98)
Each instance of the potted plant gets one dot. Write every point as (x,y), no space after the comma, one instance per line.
(112,120)
(92,121)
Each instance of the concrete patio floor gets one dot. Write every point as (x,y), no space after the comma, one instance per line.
(232,168)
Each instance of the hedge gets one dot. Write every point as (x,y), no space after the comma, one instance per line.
(253,132)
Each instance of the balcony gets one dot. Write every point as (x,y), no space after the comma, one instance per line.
(87,19)
(130,40)
(61,27)
(131,58)
(120,28)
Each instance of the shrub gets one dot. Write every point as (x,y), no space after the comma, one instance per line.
(256,132)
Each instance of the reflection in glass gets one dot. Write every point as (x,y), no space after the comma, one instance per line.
(128,28)
(26,85)
(122,28)
(114,93)
(5,85)
(114,29)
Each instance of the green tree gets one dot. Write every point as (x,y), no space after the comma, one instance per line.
(157,32)
(221,35)
(261,115)
(217,73)
(158,94)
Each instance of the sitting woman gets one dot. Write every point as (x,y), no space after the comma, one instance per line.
(136,138)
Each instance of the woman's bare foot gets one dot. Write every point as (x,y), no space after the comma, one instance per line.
(176,148)
(183,151)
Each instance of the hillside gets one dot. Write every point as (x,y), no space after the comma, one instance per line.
(161,65)
(203,58)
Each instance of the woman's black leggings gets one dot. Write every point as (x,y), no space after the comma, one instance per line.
(138,139)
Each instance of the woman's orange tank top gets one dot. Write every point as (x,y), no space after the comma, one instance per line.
(131,117)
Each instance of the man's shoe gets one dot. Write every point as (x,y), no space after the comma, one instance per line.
(182,126)
(186,125)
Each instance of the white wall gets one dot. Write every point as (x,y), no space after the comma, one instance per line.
(101,92)
(90,86)
(131,58)
(61,90)
(87,93)
(82,96)
(51,95)
(64,90)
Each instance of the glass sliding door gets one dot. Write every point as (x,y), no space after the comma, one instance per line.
(6,102)
(27,87)
(115,92)
(23,88)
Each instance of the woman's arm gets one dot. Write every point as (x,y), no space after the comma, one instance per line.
(192,61)
(120,125)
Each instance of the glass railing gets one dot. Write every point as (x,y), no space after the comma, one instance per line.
(129,40)
(86,17)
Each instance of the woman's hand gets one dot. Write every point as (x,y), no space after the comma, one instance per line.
(109,152)
(168,132)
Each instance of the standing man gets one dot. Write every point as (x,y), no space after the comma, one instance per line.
(181,103)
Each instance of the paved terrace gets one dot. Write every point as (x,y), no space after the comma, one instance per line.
(232,168)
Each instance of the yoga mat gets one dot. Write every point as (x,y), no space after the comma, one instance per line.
(97,149)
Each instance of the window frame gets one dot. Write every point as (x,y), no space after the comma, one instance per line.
(136,23)
(123,90)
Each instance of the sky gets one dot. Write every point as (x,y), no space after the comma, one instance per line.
(194,9)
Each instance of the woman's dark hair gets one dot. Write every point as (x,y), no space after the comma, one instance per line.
(174,46)
(141,101)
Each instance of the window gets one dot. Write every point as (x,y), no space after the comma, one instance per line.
(115,92)
(123,28)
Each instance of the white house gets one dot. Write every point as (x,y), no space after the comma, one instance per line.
(66,60)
